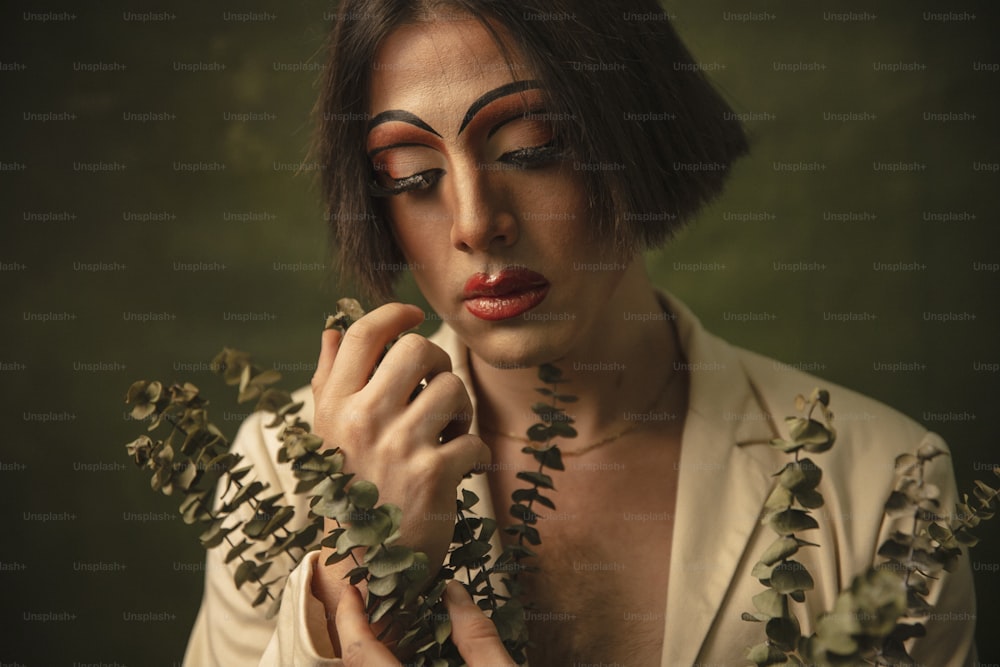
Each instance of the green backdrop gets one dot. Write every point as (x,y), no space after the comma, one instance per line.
(872,190)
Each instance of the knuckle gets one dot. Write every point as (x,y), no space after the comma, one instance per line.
(430,465)
(354,654)
(451,384)
(364,331)
(413,343)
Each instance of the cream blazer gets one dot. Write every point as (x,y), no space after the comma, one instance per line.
(737,400)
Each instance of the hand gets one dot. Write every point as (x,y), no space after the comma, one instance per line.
(473,633)
(416,452)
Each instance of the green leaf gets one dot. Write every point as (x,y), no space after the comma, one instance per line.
(562,429)
(782,548)
(363,494)
(384,607)
(810,499)
(216,533)
(522,513)
(791,521)
(249,571)
(244,494)
(771,603)
(390,560)
(762,571)
(532,494)
(469,499)
(442,630)
(469,554)
(549,374)
(366,533)
(779,500)
(549,458)
(784,632)
(801,475)
(539,479)
(765,654)
(237,550)
(383,586)
(539,433)
(791,576)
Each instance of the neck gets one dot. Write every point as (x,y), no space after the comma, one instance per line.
(619,366)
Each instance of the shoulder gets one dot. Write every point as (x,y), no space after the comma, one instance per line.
(778,383)
(859,470)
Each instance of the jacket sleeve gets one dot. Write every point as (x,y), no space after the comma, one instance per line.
(951,625)
(229,631)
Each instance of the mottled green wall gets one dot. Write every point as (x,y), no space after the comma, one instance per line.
(258,230)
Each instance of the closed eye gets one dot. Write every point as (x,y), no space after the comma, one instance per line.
(397,186)
(532,156)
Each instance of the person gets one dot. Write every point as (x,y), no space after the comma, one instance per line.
(504,162)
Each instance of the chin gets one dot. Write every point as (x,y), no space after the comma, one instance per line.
(516,349)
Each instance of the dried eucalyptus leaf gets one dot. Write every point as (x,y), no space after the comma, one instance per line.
(539,433)
(771,603)
(363,494)
(791,576)
(442,630)
(784,632)
(539,479)
(390,560)
(562,429)
(383,608)
(383,586)
(792,521)
(549,374)
(237,550)
(781,548)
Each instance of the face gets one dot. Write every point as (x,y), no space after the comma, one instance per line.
(492,219)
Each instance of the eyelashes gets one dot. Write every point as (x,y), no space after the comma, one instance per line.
(398,186)
(521,158)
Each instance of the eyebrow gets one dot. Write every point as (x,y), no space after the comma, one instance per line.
(398,115)
(402,117)
(495,94)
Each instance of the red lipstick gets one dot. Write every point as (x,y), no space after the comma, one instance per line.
(504,295)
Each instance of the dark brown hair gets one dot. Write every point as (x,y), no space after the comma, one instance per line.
(653,136)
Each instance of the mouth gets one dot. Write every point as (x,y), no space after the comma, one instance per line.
(507,294)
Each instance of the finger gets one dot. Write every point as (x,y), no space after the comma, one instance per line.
(474,634)
(364,344)
(411,359)
(443,408)
(466,453)
(329,344)
(358,644)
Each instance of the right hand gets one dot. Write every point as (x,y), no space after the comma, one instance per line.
(386,439)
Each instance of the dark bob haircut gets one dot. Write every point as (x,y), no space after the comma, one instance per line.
(654,138)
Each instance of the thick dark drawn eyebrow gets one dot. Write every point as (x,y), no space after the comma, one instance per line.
(403,117)
(495,94)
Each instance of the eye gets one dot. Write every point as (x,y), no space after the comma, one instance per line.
(390,187)
(532,156)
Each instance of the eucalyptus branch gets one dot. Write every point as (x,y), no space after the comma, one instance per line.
(396,576)
(786,578)
(867,623)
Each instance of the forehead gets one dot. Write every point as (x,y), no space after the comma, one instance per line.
(437,69)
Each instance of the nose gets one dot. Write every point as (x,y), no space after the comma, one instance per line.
(483,218)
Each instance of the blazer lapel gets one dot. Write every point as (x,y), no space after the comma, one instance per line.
(721,490)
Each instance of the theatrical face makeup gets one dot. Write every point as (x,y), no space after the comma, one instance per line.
(490,215)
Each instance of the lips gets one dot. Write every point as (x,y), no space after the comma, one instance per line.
(507,294)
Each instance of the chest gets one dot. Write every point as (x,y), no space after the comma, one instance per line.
(599,592)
